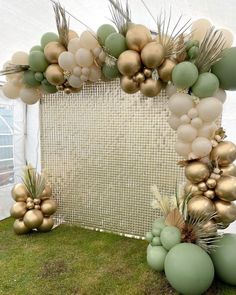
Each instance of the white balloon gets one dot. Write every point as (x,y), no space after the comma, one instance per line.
(85,71)
(192,113)
(207,130)
(75,82)
(66,61)
(10,90)
(74,45)
(95,74)
(77,71)
(185,119)
(197,123)
(20,58)
(83,78)
(97,51)
(170,89)
(221,95)
(102,56)
(183,148)
(209,109)
(87,40)
(201,147)
(186,133)
(84,57)
(174,121)
(199,29)
(180,103)
(30,95)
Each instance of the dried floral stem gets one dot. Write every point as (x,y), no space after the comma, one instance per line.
(14,69)
(62,23)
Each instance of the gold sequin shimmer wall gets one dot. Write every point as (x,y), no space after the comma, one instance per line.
(102,150)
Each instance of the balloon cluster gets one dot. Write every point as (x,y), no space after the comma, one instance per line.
(32,213)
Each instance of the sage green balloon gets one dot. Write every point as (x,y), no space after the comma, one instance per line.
(184,74)
(39,76)
(149,247)
(36,48)
(191,43)
(115,44)
(48,37)
(49,88)
(149,237)
(189,269)
(170,236)
(156,231)
(159,223)
(225,69)
(156,241)
(37,61)
(110,72)
(206,85)
(193,52)
(156,257)
(104,31)
(224,259)
(29,79)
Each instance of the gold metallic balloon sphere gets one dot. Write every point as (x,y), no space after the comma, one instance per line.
(211,183)
(137,37)
(165,70)
(55,75)
(226,211)
(150,87)
(209,194)
(152,55)
(224,153)
(52,51)
(47,192)
(33,218)
(129,63)
(202,186)
(229,170)
(19,192)
(226,188)
(192,189)
(200,206)
(46,225)
(128,85)
(48,207)
(197,172)
(18,209)
(210,228)
(20,228)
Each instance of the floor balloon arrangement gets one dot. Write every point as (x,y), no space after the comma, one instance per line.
(195,64)
(34,205)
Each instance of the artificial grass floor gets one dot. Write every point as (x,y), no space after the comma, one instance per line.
(74,261)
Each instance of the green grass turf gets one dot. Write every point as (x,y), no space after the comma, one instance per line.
(70,260)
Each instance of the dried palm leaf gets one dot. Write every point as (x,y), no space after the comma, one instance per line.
(62,23)
(14,69)
(181,53)
(175,218)
(161,202)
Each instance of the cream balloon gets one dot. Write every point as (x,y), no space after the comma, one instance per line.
(88,40)
(84,57)
(186,133)
(199,29)
(74,45)
(197,123)
(207,130)
(228,37)
(183,148)
(184,119)
(170,89)
(192,113)
(75,81)
(209,109)
(180,103)
(95,73)
(221,95)
(174,121)
(77,71)
(201,147)
(66,61)
(10,90)
(30,95)
(20,58)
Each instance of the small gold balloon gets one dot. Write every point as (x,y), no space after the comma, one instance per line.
(200,206)
(55,75)
(128,85)
(137,37)
(52,51)
(30,205)
(37,207)
(48,207)
(19,192)
(229,170)
(33,218)
(37,201)
(211,183)
(192,189)
(150,87)
(129,63)
(226,211)
(47,192)
(147,73)
(19,227)
(139,77)
(72,34)
(18,209)
(202,186)
(165,70)
(210,228)
(152,55)
(197,172)
(226,188)
(224,153)
(67,90)
(209,194)
(46,225)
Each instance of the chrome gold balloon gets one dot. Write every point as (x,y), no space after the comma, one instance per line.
(165,70)
(226,188)
(226,211)
(150,87)
(129,63)
(197,172)
(19,192)
(139,78)
(48,207)
(229,170)
(147,73)
(200,206)
(53,50)
(209,194)
(128,85)
(211,183)
(55,75)
(192,189)
(46,225)
(19,227)
(210,228)
(18,209)
(33,218)
(47,192)
(224,153)
(202,186)
(152,55)
(137,37)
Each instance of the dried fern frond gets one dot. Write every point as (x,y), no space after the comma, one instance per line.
(62,23)
(174,218)
(161,202)
(210,50)
(121,16)
(34,182)
(14,69)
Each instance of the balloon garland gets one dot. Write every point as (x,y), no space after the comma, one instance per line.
(195,69)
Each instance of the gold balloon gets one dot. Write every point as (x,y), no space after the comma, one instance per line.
(137,37)
(226,211)
(226,188)
(151,87)
(67,90)
(52,51)
(18,210)
(139,78)
(147,73)
(129,63)
(72,34)
(48,207)
(229,170)
(211,183)
(46,225)
(19,192)
(210,227)
(200,206)
(165,70)
(197,172)
(192,189)
(224,153)
(33,218)
(202,186)
(55,75)
(19,227)
(209,194)
(37,201)
(128,85)
(153,55)
(47,192)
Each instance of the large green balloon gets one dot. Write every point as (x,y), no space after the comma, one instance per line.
(115,44)
(49,88)
(206,85)
(104,31)
(225,69)
(189,269)
(48,37)
(170,236)
(224,259)
(36,48)
(156,256)
(29,79)
(37,61)
(184,74)
(110,72)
